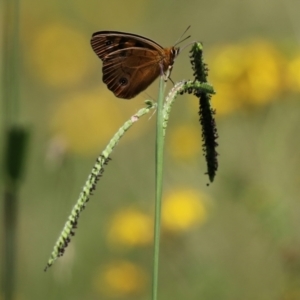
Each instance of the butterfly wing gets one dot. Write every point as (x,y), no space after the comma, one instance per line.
(106,42)
(128,72)
(130,62)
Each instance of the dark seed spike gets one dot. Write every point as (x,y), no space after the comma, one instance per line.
(206,112)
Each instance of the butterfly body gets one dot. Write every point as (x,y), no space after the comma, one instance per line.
(131,62)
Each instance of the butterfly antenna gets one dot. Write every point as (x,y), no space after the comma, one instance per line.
(191,43)
(180,39)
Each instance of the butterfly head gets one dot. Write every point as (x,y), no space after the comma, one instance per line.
(174,52)
(171,54)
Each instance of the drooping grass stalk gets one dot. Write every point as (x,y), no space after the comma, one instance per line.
(201,89)
(159,152)
(179,88)
(90,185)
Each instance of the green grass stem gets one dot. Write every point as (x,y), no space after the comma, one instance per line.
(159,152)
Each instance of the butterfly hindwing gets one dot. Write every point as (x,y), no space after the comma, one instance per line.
(129,74)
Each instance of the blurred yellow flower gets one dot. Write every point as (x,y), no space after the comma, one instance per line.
(226,62)
(250,73)
(130,227)
(292,294)
(185,141)
(59,55)
(224,101)
(85,122)
(264,72)
(293,74)
(183,209)
(121,278)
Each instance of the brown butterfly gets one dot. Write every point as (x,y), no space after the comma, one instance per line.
(131,62)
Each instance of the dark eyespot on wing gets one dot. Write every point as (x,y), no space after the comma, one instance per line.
(139,44)
(108,42)
(104,45)
(122,43)
(123,81)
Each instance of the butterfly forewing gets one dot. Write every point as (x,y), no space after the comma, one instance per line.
(105,42)
(130,62)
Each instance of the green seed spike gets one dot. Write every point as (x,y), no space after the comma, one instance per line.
(90,185)
(180,88)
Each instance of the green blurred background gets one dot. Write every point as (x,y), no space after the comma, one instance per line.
(236,239)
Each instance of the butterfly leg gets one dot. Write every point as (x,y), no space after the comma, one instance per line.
(167,74)
(162,73)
